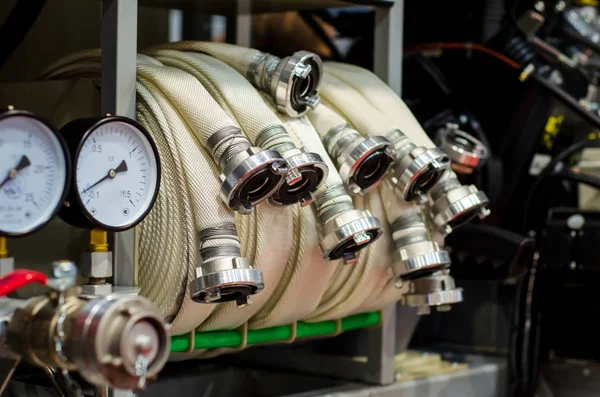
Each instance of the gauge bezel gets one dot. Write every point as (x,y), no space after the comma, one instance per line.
(90,129)
(11,112)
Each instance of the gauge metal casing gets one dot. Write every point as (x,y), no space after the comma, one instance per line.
(76,134)
(62,153)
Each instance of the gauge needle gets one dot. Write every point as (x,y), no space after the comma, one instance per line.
(12,174)
(111,174)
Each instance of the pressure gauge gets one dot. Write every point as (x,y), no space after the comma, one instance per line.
(34,172)
(116,173)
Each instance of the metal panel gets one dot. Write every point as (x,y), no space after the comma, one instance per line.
(389,32)
(119,49)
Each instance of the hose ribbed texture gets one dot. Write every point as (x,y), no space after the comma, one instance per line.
(237,57)
(381,97)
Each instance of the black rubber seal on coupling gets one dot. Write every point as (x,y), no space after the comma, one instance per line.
(372,169)
(351,246)
(287,195)
(258,186)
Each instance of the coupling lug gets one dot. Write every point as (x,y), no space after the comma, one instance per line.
(306,172)
(295,83)
(250,177)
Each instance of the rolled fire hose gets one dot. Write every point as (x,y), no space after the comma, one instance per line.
(362,162)
(304,288)
(224,275)
(249,175)
(451,203)
(306,171)
(416,168)
(291,82)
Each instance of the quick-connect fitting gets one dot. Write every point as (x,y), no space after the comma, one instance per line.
(345,229)
(306,171)
(223,274)
(466,152)
(118,341)
(416,254)
(452,204)
(437,290)
(292,82)
(362,162)
(249,174)
(416,168)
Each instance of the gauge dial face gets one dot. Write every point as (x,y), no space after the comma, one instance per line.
(116,175)
(33,174)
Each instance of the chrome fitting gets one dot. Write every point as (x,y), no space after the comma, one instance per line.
(115,341)
(452,204)
(466,152)
(306,173)
(224,275)
(127,341)
(345,230)
(292,82)
(250,177)
(437,290)
(416,254)
(362,162)
(416,169)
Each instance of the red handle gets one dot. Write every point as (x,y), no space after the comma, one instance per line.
(19,278)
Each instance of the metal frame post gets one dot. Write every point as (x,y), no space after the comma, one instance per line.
(119,52)
(389,40)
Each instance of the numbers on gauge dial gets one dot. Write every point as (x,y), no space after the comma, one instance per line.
(33,174)
(116,174)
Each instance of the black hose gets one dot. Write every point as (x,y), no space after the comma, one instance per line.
(549,169)
(17,25)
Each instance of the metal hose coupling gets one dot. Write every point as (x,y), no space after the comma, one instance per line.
(416,254)
(437,290)
(117,341)
(306,170)
(249,174)
(452,204)
(292,82)
(362,162)
(466,152)
(345,229)
(416,168)
(224,275)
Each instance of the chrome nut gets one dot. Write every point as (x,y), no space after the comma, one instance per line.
(93,290)
(225,280)
(97,264)
(348,233)
(438,290)
(63,275)
(295,83)
(306,173)
(250,177)
(7,265)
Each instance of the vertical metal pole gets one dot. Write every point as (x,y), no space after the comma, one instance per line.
(119,49)
(389,31)
(239,25)
(382,348)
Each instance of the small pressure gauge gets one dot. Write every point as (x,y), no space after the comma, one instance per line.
(116,173)
(34,172)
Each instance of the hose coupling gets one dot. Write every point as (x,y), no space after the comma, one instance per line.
(345,229)
(416,254)
(117,341)
(452,204)
(466,152)
(362,162)
(416,168)
(306,170)
(224,275)
(292,82)
(437,290)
